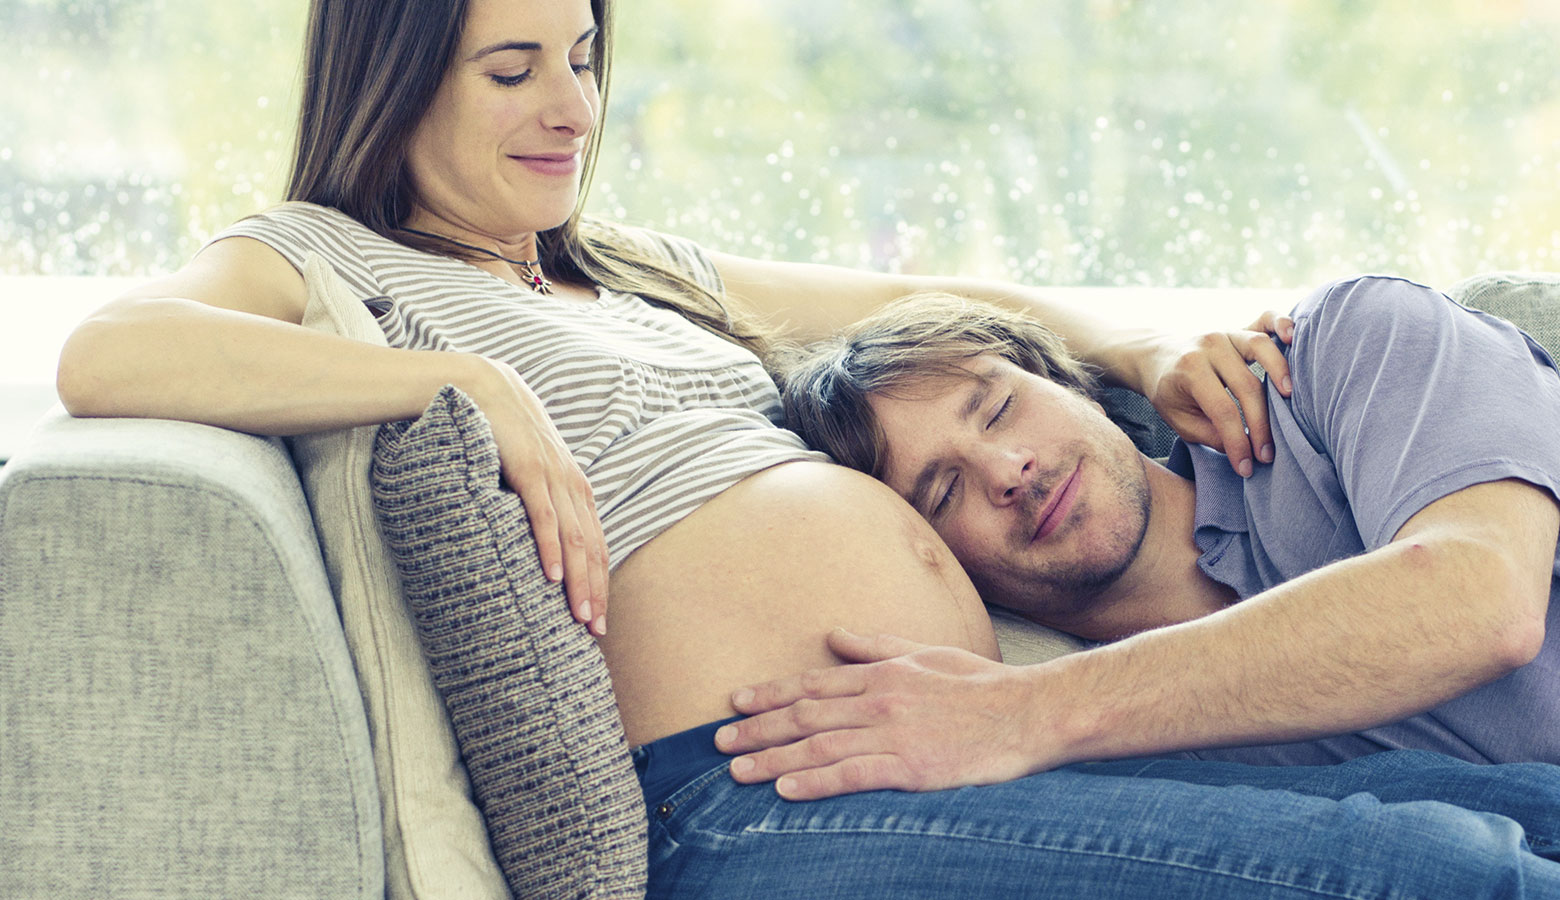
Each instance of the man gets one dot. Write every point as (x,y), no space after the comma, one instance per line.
(1384,583)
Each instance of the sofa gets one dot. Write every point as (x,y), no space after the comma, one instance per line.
(183,712)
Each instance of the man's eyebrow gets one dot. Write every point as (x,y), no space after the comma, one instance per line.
(979,391)
(977,398)
(525,45)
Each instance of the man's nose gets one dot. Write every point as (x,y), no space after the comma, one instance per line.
(1011,471)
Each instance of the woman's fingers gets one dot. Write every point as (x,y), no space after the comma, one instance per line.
(1223,414)
(1275,323)
(1235,375)
(576,561)
(586,550)
(569,540)
(1210,396)
(558,500)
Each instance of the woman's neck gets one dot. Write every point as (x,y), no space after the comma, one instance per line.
(514,258)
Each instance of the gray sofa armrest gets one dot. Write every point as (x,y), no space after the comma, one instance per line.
(178,712)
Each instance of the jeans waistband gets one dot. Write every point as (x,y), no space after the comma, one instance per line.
(667,764)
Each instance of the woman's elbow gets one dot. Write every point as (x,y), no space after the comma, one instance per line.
(82,379)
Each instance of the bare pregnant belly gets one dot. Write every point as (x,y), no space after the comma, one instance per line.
(746,588)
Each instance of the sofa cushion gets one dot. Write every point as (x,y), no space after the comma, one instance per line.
(526,686)
(435,842)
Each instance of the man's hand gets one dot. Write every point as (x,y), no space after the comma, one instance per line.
(904,716)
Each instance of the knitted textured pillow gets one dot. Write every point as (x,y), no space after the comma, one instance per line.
(526,687)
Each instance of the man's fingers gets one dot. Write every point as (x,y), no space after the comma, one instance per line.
(823,750)
(798,721)
(817,684)
(858,773)
(855,648)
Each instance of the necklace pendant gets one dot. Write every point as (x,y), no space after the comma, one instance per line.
(538,283)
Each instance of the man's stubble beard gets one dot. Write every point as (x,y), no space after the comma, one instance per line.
(1057,591)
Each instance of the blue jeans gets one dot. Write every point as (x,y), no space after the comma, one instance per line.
(1401,824)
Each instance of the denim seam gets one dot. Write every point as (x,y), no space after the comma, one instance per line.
(1246,879)
(693,786)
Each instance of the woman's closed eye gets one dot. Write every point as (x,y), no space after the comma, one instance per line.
(579,68)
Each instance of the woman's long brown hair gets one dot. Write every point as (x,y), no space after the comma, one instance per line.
(371,69)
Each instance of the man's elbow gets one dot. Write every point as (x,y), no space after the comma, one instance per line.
(1502,597)
(1520,641)
(1522,598)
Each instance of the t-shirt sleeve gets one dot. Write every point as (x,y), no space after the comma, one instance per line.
(297,229)
(1414,397)
(678,254)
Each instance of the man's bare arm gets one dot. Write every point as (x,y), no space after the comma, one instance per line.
(1456,600)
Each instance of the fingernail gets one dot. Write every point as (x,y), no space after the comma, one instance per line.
(786,785)
(585,611)
(1244,468)
(601,624)
(742,697)
(742,765)
(1266,453)
(725,735)
(1289,386)
(555,573)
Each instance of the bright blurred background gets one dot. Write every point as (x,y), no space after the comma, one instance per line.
(1086,143)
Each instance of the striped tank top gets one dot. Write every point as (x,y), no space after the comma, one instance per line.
(660,414)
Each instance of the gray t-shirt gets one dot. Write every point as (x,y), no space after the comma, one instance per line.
(1401,397)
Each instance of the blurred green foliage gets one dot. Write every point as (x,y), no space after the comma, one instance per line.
(1103,142)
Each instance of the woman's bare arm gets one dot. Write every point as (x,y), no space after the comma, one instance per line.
(219,343)
(1186,377)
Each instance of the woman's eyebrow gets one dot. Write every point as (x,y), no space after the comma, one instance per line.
(525,45)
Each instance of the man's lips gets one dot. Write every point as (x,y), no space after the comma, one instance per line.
(1056,511)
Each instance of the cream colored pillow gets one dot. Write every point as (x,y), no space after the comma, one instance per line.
(436,843)
(1025,643)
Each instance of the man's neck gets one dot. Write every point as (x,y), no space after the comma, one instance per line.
(1163,585)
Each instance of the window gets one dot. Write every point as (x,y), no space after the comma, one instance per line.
(1082,142)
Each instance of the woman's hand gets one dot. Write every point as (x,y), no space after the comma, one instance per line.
(536,463)
(1191,382)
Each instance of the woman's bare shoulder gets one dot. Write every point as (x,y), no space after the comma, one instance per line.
(237,273)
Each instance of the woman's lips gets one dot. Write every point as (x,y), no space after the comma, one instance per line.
(550,163)
(1056,511)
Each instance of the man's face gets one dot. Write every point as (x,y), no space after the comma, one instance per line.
(1043,500)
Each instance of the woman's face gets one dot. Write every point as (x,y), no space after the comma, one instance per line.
(498,154)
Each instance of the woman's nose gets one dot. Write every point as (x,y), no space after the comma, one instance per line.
(571,110)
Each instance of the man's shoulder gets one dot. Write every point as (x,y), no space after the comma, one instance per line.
(1372,320)
(1366,301)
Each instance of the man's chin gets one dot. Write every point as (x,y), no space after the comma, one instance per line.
(1076,600)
